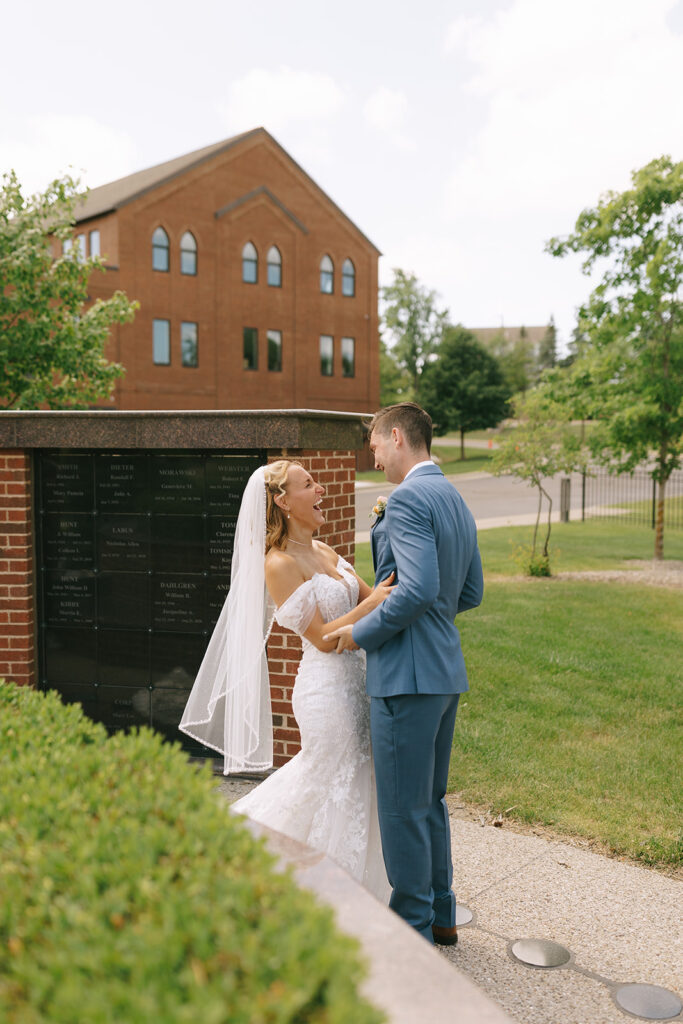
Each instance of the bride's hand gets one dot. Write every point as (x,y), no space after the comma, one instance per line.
(382,590)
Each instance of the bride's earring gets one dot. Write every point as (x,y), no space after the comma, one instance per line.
(288,516)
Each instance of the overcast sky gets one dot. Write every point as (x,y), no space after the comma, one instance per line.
(458,135)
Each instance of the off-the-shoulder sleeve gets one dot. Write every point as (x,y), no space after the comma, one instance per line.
(298,610)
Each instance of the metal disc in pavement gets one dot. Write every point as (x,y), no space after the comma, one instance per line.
(463,915)
(540,952)
(649,1001)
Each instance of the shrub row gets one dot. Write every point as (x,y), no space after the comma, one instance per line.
(129,894)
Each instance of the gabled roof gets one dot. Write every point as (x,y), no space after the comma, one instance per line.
(115,194)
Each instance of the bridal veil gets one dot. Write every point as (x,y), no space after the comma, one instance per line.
(229,705)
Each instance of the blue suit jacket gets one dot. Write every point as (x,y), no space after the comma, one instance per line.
(428,537)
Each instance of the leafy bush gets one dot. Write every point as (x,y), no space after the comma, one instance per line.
(129,894)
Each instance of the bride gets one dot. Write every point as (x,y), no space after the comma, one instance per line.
(324,796)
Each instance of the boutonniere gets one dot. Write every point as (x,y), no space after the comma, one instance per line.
(379,508)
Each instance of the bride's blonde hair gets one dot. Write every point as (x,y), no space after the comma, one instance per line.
(275,476)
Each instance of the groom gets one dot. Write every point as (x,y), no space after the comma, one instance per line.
(415,666)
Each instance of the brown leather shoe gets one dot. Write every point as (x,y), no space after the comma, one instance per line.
(445,936)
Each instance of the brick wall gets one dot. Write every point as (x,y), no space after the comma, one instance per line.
(336,471)
(17,622)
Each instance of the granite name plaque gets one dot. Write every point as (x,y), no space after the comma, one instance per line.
(123,600)
(68,541)
(226,479)
(121,483)
(122,707)
(123,657)
(66,483)
(70,655)
(123,542)
(178,543)
(220,542)
(178,602)
(177,484)
(69,598)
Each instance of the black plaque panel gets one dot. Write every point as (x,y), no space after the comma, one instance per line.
(178,602)
(135,555)
(81,694)
(217,588)
(226,478)
(123,657)
(177,484)
(69,598)
(167,710)
(123,599)
(123,542)
(176,658)
(178,544)
(68,541)
(121,483)
(221,535)
(121,707)
(70,656)
(66,483)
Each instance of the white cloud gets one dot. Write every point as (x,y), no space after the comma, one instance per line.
(578,96)
(278,98)
(385,111)
(43,147)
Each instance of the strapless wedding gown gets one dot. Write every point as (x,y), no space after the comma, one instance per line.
(325,796)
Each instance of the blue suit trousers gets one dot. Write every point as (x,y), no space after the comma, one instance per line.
(412,736)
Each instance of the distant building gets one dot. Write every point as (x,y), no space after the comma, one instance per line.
(255,289)
(507,337)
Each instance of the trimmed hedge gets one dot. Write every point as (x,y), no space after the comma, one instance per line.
(129,894)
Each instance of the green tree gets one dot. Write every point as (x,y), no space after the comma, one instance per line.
(542,445)
(547,350)
(516,360)
(51,345)
(394,383)
(414,324)
(629,364)
(464,389)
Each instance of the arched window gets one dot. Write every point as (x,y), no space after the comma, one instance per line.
(160,250)
(326,275)
(249,263)
(348,278)
(188,254)
(274,267)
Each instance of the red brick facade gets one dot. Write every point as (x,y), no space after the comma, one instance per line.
(17,622)
(248,190)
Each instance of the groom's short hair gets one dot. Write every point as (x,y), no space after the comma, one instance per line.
(410,418)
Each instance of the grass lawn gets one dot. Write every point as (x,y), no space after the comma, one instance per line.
(673,509)
(573,718)
(449,461)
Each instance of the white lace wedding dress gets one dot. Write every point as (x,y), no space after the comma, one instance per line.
(325,796)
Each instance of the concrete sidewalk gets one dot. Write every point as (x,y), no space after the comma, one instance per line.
(620,922)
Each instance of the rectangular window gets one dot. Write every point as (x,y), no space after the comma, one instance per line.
(67,246)
(188,344)
(326,355)
(275,351)
(94,243)
(348,354)
(249,348)
(161,342)
(80,242)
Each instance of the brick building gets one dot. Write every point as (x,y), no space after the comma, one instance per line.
(255,289)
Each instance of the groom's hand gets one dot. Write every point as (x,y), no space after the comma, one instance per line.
(344,638)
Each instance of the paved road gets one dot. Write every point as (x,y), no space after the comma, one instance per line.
(494,501)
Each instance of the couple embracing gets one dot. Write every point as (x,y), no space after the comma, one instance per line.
(378,685)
